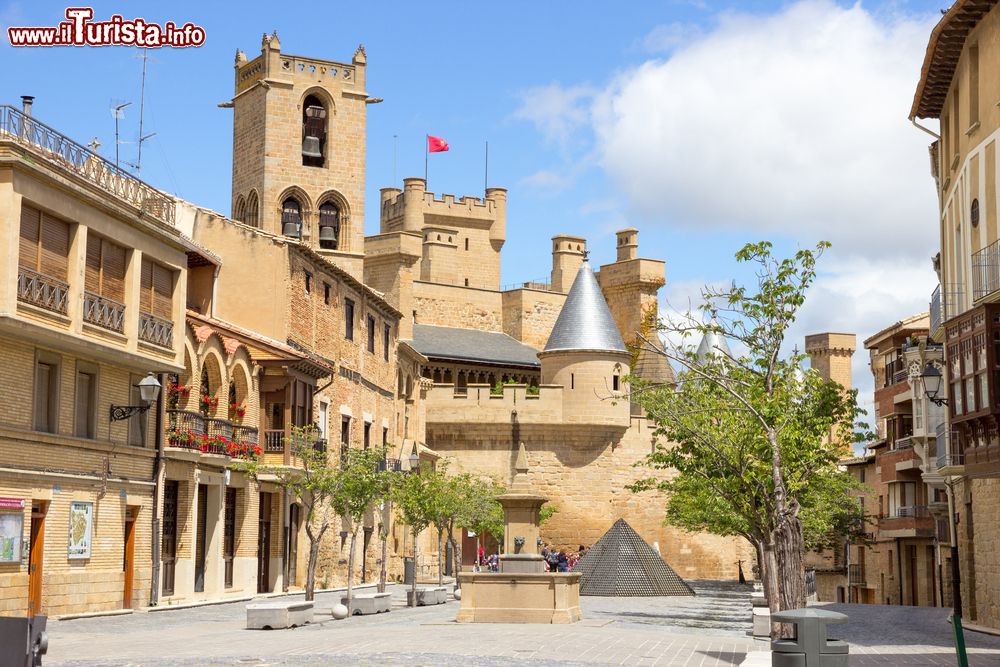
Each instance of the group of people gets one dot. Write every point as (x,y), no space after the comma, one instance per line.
(556,560)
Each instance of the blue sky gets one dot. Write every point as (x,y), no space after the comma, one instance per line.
(705,124)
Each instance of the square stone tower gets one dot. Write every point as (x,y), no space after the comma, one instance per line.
(299,149)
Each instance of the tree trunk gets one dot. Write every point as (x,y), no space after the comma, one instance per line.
(311,569)
(350,571)
(440,557)
(789,547)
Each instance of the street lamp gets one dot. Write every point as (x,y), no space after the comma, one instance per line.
(414,460)
(149,391)
(932,380)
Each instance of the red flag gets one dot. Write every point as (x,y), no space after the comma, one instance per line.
(436,144)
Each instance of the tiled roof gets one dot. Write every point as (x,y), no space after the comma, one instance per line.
(472,345)
(585,323)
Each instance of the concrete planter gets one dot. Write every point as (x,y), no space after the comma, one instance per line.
(278,615)
(372,603)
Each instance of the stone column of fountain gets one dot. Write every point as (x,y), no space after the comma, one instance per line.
(521,508)
(522,592)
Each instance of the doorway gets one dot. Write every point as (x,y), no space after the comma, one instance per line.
(229,536)
(264,544)
(293,543)
(168,550)
(36,547)
(128,557)
(200,538)
(914,576)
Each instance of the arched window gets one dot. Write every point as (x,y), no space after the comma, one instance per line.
(329,226)
(250,214)
(291,218)
(240,209)
(313,132)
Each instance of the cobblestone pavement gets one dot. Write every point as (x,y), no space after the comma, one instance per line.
(707,630)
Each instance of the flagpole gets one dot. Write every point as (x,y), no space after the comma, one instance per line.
(426,143)
(486,170)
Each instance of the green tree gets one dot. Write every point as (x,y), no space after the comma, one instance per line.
(753,451)
(360,483)
(311,484)
(483,513)
(415,502)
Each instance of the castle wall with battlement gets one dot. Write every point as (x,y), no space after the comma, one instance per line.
(583,470)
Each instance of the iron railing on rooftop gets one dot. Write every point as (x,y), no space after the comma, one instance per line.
(62,151)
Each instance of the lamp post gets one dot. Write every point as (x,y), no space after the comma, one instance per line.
(932,380)
(149,390)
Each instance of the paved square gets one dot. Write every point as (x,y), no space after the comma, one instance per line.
(708,630)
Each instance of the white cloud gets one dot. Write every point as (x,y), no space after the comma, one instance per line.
(545,179)
(665,38)
(556,111)
(792,123)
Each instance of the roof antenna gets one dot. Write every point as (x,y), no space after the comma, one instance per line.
(142,108)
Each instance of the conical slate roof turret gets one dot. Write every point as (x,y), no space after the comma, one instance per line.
(585,323)
(712,344)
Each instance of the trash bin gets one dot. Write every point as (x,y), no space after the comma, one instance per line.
(407,570)
(23,641)
(810,647)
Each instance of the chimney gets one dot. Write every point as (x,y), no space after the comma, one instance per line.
(26,101)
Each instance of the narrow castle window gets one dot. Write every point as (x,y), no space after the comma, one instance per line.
(308,283)
(313,132)
(615,382)
(572,381)
(291,218)
(329,226)
(466,244)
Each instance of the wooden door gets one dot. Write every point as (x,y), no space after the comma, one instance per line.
(168,550)
(264,544)
(229,536)
(128,558)
(200,539)
(36,546)
(293,543)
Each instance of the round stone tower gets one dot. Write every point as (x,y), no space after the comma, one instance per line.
(586,355)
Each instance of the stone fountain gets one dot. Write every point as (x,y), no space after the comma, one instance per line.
(522,592)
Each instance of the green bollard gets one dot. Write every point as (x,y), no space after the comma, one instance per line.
(963,658)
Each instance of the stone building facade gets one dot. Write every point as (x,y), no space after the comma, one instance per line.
(958,87)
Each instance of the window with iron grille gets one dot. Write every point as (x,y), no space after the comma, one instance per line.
(371,334)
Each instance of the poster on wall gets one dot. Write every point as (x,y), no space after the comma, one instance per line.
(81,523)
(11,529)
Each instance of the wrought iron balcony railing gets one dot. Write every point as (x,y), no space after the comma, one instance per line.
(915,511)
(63,152)
(986,271)
(41,290)
(156,330)
(103,312)
(946,303)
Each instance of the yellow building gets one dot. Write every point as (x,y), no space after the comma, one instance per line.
(92,298)
(959,87)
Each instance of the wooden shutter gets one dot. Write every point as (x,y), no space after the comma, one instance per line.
(30,221)
(146,290)
(92,279)
(113,271)
(163,289)
(55,248)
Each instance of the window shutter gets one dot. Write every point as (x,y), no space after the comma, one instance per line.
(30,220)
(92,279)
(163,287)
(55,248)
(146,291)
(113,268)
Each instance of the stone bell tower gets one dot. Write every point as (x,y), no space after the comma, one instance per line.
(299,149)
